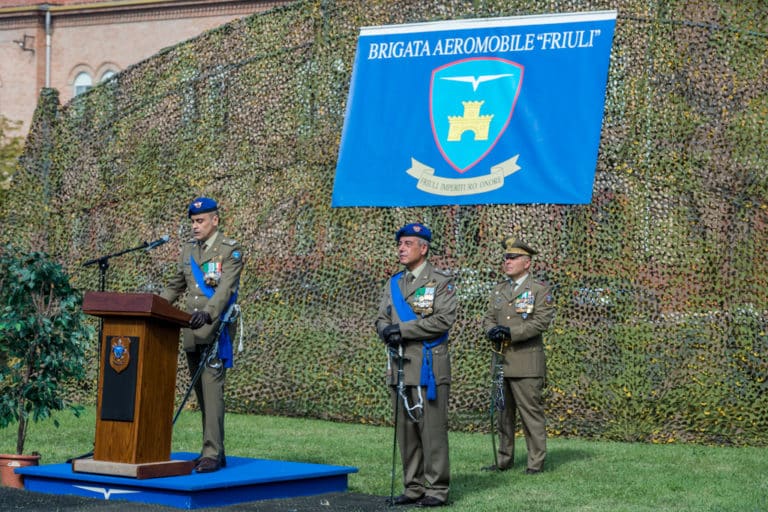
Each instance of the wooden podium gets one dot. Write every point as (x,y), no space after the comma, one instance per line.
(137,383)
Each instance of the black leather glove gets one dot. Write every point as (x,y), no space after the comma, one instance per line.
(392,336)
(498,333)
(199,319)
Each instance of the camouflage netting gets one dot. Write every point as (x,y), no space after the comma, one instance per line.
(660,282)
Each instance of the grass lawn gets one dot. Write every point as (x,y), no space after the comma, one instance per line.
(594,476)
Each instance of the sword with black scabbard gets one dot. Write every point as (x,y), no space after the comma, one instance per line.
(398,393)
(497,394)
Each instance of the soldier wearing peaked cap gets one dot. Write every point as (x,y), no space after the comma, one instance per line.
(520,310)
(209,271)
(417,308)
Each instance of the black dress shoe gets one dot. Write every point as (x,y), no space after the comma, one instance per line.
(494,467)
(404,500)
(531,471)
(430,501)
(197,460)
(208,465)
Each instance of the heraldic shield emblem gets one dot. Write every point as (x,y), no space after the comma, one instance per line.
(471,104)
(120,353)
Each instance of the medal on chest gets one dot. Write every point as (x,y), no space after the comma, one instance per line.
(524,304)
(424,300)
(212,272)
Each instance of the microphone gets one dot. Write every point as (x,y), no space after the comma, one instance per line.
(160,241)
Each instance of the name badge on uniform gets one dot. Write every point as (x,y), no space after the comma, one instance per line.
(524,303)
(212,272)
(424,300)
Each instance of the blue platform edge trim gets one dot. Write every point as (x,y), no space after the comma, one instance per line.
(243,480)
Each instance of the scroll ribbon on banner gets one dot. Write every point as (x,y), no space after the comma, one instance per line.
(428,182)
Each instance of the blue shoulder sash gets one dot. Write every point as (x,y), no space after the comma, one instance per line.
(406,314)
(225,340)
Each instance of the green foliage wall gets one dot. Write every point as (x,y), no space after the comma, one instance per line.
(660,282)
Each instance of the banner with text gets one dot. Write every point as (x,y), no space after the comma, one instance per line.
(482,111)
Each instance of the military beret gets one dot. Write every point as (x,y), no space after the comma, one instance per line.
(414,229)
(513,245)
(202,205)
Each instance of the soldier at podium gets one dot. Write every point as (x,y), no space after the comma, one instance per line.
(209,271)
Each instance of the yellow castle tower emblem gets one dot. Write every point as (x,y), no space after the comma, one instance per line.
(471,121)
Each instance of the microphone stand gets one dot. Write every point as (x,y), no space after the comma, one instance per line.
(103,262)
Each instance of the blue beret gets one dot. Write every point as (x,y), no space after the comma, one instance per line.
(414,229)
(202,205)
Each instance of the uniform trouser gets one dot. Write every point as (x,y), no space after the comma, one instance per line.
(424,445)
(523,395)
(209,390)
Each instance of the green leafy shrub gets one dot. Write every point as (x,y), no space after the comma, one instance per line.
(43,333)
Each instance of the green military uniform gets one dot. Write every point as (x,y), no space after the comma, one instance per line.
(224,257)
(423,445)
(526,308)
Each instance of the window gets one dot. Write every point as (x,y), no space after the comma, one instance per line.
(107,75)
(83,82)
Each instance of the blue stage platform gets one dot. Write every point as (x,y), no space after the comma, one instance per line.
(242,480)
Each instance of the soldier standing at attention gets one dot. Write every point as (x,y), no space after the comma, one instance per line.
(520,310)
(417,308)
(209,271)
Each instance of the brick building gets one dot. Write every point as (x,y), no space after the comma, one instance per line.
(71,45)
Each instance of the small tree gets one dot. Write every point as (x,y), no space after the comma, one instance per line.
(43,334)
